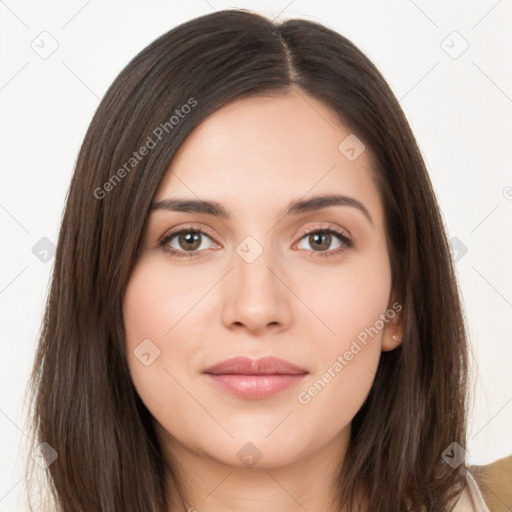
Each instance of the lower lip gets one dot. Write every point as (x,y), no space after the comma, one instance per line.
(255,387)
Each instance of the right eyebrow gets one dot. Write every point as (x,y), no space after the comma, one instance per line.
(191,206)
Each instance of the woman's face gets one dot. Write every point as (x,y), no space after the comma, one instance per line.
(254,284)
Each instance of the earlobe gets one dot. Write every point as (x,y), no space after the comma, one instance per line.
(391,342)
(393,333)
(392,338)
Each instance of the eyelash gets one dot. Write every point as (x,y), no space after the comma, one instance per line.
(346,240)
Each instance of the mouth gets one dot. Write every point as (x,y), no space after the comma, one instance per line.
(255,379)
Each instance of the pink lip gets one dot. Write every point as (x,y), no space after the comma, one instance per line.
(256,379)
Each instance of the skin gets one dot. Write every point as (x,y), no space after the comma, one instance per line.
(255,156)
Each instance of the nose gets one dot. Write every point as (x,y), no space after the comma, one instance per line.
(256,297)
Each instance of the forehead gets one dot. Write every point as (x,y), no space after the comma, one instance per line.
(262,152)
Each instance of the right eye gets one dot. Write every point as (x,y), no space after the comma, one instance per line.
(185,242)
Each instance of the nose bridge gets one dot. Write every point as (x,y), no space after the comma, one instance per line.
(254,279)
(256,296)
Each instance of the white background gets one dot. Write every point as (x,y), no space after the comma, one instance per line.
(459,109)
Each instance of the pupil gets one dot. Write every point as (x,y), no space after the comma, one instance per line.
(318,238)
(190,239)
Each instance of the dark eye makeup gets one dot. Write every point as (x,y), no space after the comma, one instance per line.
(317,236)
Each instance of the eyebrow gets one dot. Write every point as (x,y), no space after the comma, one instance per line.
(294,208)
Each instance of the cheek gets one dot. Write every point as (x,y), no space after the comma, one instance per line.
(350,306)
(348,303)
(154,310)
(158,300)
(167,314)
(142,310)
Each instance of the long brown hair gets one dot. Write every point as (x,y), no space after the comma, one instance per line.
(84,404)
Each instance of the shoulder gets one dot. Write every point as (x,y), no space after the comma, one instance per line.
(470,499)
(494,482)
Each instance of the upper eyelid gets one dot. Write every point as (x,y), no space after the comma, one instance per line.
(326,227)
(173,232)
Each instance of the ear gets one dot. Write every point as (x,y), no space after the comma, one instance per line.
(393,332)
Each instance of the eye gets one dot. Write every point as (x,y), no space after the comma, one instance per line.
(186,241)
(189,241)
(320,240)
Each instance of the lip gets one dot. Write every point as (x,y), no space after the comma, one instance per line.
(255,379)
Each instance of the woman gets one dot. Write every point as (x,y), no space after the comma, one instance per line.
(253,305)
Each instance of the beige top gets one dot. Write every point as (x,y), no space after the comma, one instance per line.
(471,499)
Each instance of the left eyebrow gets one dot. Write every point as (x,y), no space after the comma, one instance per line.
(294,208)
(319,202)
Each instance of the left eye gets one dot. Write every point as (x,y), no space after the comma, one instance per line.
(321,240)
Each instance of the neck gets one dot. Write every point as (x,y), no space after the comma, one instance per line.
(207,484)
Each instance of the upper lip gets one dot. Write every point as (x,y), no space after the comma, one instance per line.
(262,366)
